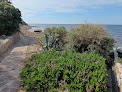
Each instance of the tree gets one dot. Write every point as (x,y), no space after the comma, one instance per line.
(10,17)
(8,1)
(3,0)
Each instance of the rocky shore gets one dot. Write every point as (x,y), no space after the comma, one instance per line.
(24,31)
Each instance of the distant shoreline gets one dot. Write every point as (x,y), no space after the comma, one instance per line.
(70,24)
(114,30)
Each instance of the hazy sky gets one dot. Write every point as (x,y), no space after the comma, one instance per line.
(70,11)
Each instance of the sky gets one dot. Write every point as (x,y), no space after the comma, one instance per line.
(70,11)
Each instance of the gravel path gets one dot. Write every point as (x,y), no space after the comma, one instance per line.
(11,64)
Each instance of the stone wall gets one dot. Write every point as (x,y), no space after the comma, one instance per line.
(8,42)
(118,71)
(24,31)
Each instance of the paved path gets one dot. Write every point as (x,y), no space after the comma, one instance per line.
(11,64)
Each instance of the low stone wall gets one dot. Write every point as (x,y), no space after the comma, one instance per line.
(8,42)
(118,71)
(24,31)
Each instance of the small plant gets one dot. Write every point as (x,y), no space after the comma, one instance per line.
(49,43)
(60,34)
(63,70)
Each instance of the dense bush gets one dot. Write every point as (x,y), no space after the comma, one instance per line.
(10,17)
(60,70)
(91,38)
(119,59)
(119,54)
(60,34)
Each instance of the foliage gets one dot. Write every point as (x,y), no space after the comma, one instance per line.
(119,59)
(119,54)
(4,1)
(60,70)
(10,17)
(60,34)
(50,42)
(91,38)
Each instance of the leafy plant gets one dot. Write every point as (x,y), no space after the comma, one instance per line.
(60,34)
(61,70)
(50,42)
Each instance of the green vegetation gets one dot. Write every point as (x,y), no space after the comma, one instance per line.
(78,65)
(77,70)
(60,70)
(4,0)
(119,54)
(119,59)
(91,38)
(59,33)
(49,41)
(10,17)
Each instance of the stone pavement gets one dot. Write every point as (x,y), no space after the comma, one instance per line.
(11,64)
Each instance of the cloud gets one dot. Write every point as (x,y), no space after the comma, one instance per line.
(31,8)
(60,5)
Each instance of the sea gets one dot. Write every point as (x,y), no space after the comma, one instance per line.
(114,30)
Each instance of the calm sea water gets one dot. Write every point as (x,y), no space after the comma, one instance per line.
(114,30)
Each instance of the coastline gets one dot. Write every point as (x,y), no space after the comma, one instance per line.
(24,28)
(115,31)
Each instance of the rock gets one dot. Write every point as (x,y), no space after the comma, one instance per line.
(119,49)
(3,35)
(37,30)
(118,71)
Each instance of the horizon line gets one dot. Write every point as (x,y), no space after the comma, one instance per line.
(73,24)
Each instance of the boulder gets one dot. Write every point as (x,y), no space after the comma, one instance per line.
(38,30)
(119,49)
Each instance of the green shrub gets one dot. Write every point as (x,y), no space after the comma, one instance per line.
(60,70)
(10,17)
(119,59)
(119,54)
(91,38)
(60,34)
